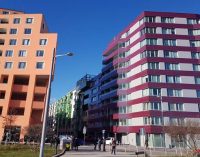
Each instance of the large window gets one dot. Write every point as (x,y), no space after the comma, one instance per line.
(193,31)
(9,53)
(148,30)
(197,80)
(122,76)
(195,43)
(13,42)
(150,53)
(198,93)
(169,42)
(13,31)
(152,120)
(29,20)
(170,54)
(152,106)
(173,79)
(40,53)
(16,20)
(176,121)
(122,97)
(124,86)
(171,66)
(148,42)
(192,21)
(149,19)
(151,92)
(174,92)
(175,107)
(196,67)
(153,65)
(26,42)
(168,31)
(40,65)
(22,65)
(123,64)
(151,78)
(167,19)
(195,55)
(43,41)
(27,31)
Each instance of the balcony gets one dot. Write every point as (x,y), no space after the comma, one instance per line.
(20,88)
(38,105)
(40,90)
(17,103)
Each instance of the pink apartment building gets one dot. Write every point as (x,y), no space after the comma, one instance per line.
(26,51)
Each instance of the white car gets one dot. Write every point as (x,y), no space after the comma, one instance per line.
(109,140)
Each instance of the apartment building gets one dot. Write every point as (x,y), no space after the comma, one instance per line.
(150,78)
(26,53)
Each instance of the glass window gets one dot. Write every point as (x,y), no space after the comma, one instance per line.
(13,42)
(168,31)
(13,31)
(150,53)
(173,79)
(43,41)
(167,19)
(151,78)
(170,54)
(148,42)
(27,31)
(8,65)
(40,53)
(192,21)
(198,93)
(149,19)
(169,42)
(16,20)
(171,66)
(153,65)
(22,65)
(195,55)
(40,65)
(193,31)
(148,30)
(29,20)
(9,53)
(25,41)
(196,67)
(22,53)
(152,106)
(174,92)
(195,43)
(197,80)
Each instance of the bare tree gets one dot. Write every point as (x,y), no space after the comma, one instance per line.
(187,132)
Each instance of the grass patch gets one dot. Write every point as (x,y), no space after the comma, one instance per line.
(24,151)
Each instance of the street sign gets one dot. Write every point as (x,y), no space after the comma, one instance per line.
(84,130)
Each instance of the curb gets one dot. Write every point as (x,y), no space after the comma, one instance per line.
(58,155)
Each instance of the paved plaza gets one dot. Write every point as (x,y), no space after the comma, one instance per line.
(122,151)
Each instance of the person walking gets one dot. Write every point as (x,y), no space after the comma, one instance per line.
(113,151)
(99,144)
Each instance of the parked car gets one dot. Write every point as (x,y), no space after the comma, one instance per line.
(109,140)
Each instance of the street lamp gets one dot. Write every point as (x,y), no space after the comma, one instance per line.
(46,107)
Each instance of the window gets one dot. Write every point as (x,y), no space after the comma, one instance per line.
(168,31)
(196,67)
(27,31)
(150,53)
(151,78)
(1,53)
(22,65)
(8,65)
(152,120)
(40,65)
(123,86)
(148,30)
(173,79)
(198,93)
(176,121)
(174,92)
(13,42)
(193,31)
(29,20)
(171,66)
(5,12)
(94,98)
(153,65)
(175,107)
(16,20)
(170,54)
(2,94)
(195,55)
(149,19)
(123,64)
(40,53)
(13,31)
(167,19)
(122,76)
(197,80)
(122,97)
(148,42)
(43,41)
(124,54)
(195,43)
(151,92)
(192,21)
(25,41)
(122,109)
(9,53)
(22,53)
(152,106)
(169,42)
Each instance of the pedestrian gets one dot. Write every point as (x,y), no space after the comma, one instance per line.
(104,144)
(99,143)
(113,146)
(76,144)
(95,143)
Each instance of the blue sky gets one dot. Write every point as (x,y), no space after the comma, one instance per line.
(85,27)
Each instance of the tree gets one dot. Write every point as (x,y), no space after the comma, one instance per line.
(187,132)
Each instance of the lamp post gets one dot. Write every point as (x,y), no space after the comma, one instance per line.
(46,107)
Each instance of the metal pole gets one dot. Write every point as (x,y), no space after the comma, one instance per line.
(42,143)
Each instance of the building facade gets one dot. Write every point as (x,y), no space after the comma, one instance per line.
(26,53)
(150,78)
